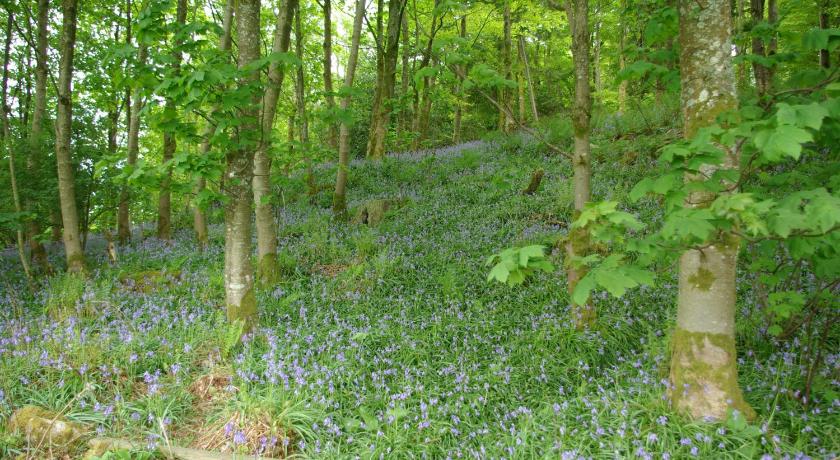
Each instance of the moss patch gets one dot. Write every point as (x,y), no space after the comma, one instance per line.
(45,429)
(703,279)
(704,376)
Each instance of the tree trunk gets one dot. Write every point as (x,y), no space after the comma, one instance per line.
(523,55)
(339,198)
(5,133)
(33,163)
(622,60)
(123,217)
(382,115)
(199,217)
(404,78)
(63,153)
(459,89)
(164,230)
(596,56)
(239,274)
(133,147)
(825,56)
(420,99)
(300,101)
(578,241)
(506,115)
(704,376)
(266,225)
(380,72)
(762,73)
(332,132)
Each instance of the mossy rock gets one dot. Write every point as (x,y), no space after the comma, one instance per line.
(44,428)
(373,212)
(149,280)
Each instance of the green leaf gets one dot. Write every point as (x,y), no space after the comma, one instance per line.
(784,140)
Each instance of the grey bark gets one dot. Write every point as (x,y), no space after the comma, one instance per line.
(266,225)
(239,274)
(339,197)
(63,147)
(704,378)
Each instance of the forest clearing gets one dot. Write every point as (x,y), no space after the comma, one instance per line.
(435,229)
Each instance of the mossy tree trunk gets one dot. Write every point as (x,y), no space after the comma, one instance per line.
(300,103)
(340,195)
(199,217)
(578,241)
(33,161)
(266,225)
(704,376)
(239,274)
(63,147)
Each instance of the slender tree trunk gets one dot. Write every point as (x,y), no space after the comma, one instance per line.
(63,148)
(578,242)
(123,208)
(164,230)
(378,41)
(825,56)
(596,57)
(622,60)
(704,375)
(33,163)
(523,55)
(6,140)
(332,131)
(300,101)
(340,196)
(239,274)
(382,116)
(506,116)
(520,87)
(762,73)
(199,217)
(421,98)
(404,79)
(459,89)
(266,225)
(133,148)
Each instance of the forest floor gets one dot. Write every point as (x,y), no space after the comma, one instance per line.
(388,342)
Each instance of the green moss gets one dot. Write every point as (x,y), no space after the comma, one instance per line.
(703,279)
(268,272)
(76,263)
(246,311)
(45,428)
(704,375)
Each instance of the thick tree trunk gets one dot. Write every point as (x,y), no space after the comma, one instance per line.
(5,133)
(199,218)
(340,195)
(704,376)
(578,242)
(266,225)
(382,115)
(33,163)
(164,229)
(239,274)
(523,55)
(332,131)
(459,89)
(63,148)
